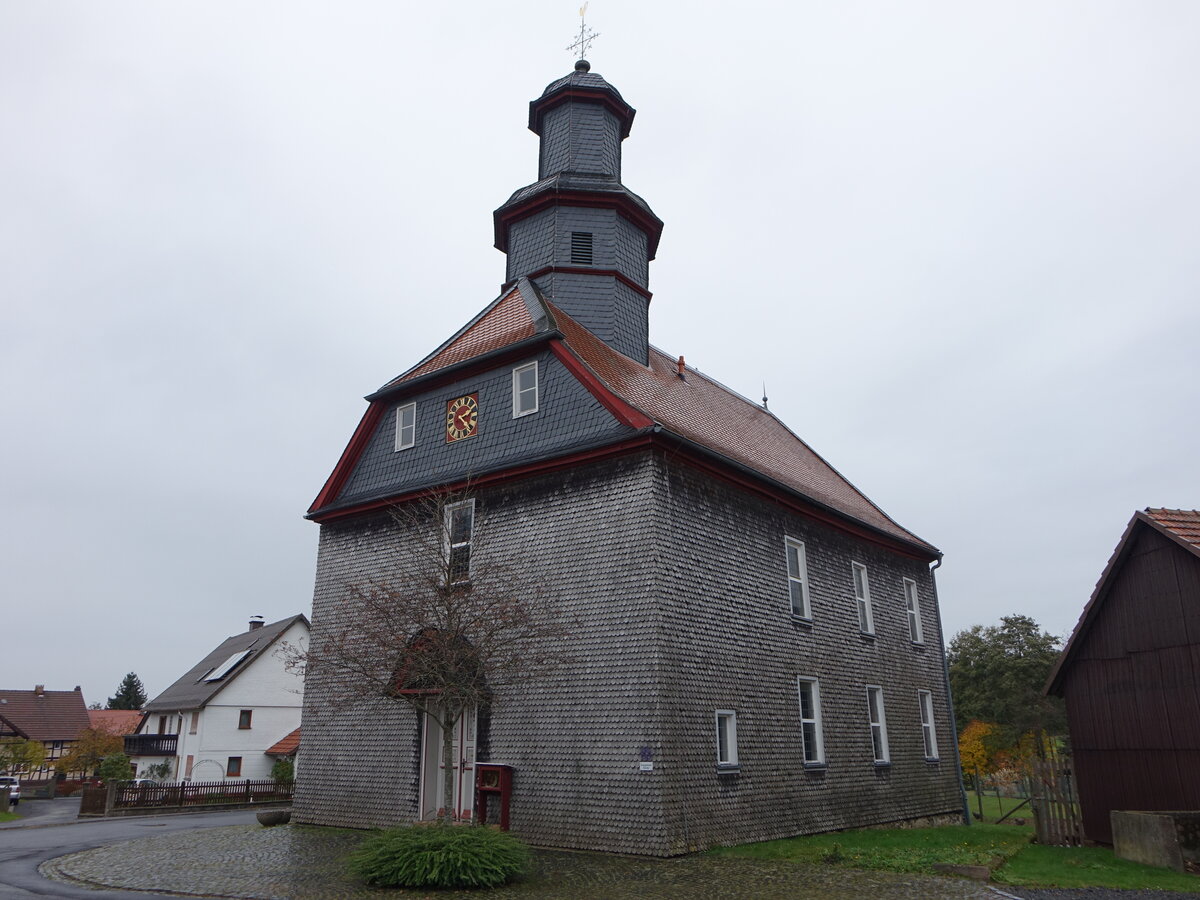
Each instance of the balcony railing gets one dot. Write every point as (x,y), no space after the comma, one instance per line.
(151,744)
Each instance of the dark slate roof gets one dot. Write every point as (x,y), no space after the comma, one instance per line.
(285,746)
(696,408)
(1180,525)
(192,691)
(577,79)
(46,716)
(577,181)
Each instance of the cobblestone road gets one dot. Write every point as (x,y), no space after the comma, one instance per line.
(298,863)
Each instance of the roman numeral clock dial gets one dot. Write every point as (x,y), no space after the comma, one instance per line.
(462,418)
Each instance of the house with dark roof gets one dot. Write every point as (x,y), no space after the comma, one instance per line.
(1130,675)
(54,718)
(755,647)
(217,721)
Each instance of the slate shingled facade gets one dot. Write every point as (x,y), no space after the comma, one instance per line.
(663,514)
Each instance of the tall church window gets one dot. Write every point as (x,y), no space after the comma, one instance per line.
(797,572)
(525,390)
(925,701)
(581,248)
(879,741)
(727,756)
(459,524)
(810,721)
(913,608)
(862,598)
(406,426)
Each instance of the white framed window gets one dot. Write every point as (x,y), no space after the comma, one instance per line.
(912,605)
(797,572)
(879,741)
(458,528)
(525,390)
(928,734)
(811,736)
(727,756)
(406,426)
(862,598)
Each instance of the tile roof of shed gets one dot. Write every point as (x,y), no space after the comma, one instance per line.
(285,746)
(115,721)
(1184,524)
(192,692)
(49,716)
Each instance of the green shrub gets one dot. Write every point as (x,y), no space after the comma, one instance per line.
(440,856)
(283,770)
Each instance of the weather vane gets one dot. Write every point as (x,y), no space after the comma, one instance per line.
(586,35)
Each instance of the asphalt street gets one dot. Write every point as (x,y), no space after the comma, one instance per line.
(52,830)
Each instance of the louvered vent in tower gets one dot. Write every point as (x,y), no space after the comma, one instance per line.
(581,248)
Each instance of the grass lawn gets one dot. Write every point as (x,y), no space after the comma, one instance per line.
(994,807)
(7,816)
(1069,867)
(896,850)
(1006,849)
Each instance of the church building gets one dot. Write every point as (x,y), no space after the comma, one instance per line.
(754,648)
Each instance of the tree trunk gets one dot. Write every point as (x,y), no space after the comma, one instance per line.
(449,721)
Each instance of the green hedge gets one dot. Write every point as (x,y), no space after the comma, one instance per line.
(440,856)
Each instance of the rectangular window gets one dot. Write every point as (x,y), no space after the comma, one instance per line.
(459,525)
(727,738)
(195,721)
(525,390)
(879,742)
(581,248)
(913,606)
(862,597)
(925,699)
(810,721)
(406,426)
(162,724)
(187,769)
(797,570)
(244,719)
(233,768)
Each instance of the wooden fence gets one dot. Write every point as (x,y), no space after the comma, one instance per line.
(1054,801)
(126,795)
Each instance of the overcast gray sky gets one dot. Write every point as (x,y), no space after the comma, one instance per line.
(957,241)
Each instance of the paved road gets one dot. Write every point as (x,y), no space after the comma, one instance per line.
(23,849)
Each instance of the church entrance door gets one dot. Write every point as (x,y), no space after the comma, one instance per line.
(462,771)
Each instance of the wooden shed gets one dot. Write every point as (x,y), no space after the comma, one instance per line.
(1130,675)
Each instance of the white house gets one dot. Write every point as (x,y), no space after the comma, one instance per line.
(220,718)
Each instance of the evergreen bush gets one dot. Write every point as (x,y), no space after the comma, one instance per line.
(440,856)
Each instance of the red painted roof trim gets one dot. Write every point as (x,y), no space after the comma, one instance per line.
(354,449)
(579,270)
(584,199)
(619,108)
(538,468)
(435,378)
(624,413)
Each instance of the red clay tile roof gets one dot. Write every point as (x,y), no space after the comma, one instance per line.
(708,413)
(49,716)
(286,746)
(115,721)
(1183,523)
(504,322)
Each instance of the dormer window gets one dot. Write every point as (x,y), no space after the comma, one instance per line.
(406,426)
(581,248)
(525,390)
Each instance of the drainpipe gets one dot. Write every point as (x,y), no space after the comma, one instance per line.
(937,606)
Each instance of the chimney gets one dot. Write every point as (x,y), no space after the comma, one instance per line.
(38,689)
(680,368)
(255,623)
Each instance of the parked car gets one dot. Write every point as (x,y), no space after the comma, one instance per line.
(14,788)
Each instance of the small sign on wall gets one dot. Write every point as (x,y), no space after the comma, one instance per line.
(646,767)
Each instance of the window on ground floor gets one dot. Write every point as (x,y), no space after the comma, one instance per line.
(233,768)
(810,721)
(879,743)
(925,701)
(727,755)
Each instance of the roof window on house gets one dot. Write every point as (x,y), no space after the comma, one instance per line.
(406,426)
(525,390)
(581,248)
(226,667)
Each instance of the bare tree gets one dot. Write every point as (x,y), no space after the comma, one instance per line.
(444,631)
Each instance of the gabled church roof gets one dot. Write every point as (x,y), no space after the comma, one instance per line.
(694,408)
(1179,525)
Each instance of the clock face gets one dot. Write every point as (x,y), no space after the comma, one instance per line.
(462,417)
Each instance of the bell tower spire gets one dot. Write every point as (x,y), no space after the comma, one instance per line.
(577,232)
